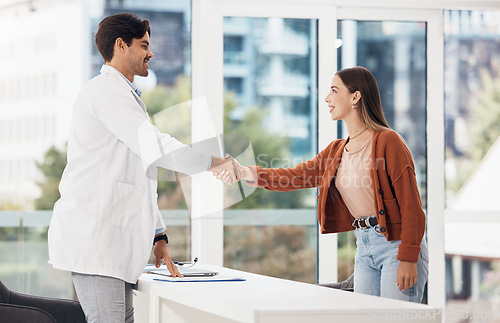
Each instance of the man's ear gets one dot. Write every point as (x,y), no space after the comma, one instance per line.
(120,44)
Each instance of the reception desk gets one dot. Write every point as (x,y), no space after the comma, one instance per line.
(266,299)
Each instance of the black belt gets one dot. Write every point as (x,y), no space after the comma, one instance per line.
(364,223)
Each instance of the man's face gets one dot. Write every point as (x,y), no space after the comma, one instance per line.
(138,56)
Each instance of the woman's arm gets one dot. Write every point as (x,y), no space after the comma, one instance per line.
(401,171)
(248,174)
(304,175)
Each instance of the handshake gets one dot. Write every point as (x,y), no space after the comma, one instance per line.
(229,170)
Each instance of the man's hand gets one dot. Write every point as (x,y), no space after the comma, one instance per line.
(407,275)
(226,169)
(161,252)
(242,171)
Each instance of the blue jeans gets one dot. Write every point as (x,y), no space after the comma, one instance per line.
(104,299)
(376,266)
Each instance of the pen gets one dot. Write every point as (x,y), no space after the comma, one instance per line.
(182,263)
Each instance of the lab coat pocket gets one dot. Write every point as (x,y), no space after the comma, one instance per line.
(126,211)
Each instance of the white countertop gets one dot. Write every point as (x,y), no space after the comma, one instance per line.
(262,297)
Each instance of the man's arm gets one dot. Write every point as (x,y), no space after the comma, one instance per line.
(122,116)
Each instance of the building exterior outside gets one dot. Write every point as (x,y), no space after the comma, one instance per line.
(268,63)
(37,91)
(39,80)
(46,62)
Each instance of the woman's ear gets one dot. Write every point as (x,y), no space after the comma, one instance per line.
(356,96)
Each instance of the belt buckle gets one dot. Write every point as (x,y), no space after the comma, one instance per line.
(362,223)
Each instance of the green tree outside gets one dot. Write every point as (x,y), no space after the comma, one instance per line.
(51,168)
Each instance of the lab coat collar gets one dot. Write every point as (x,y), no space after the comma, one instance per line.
(113,72)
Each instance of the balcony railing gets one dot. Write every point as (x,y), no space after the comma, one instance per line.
(24,249)
(287,84)
(288,43)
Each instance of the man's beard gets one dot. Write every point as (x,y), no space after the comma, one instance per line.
(141,69)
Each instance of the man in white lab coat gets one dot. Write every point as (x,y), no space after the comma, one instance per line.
(107,218)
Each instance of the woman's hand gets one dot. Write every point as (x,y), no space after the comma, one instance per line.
(242,172)
(225,169)
(407,275)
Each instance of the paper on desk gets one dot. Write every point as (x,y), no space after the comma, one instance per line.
(200,279)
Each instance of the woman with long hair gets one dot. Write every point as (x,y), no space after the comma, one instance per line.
(367,184)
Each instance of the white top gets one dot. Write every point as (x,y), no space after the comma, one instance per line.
(354,181)
(105,220)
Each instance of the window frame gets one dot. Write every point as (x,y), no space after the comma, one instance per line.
(207,76)
(207,83)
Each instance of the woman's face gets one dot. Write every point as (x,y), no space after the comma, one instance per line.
(339,100)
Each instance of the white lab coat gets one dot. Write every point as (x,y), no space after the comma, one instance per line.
(105,220)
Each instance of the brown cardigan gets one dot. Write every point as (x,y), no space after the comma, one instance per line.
(395,190)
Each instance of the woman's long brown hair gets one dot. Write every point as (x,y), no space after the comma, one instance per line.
(370,108)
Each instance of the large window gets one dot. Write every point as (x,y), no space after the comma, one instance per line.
(36,103)
(269,69)
(472,118)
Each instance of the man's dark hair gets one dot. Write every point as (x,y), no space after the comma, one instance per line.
(126,26)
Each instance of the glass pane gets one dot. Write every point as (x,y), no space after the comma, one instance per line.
(395,52)
(9,248)
(37,277)
(472,116)
(472,109)
(270,102)
(36,96)
(24,249)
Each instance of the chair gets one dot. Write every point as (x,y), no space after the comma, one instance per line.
(17,308)
(347,284)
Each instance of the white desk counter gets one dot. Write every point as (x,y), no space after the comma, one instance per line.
(266,299)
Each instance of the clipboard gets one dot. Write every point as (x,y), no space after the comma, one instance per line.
(186,272)
(200,279)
